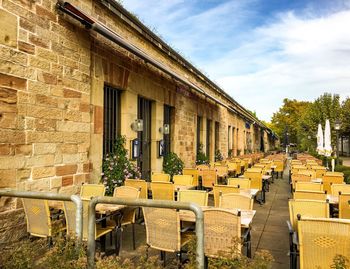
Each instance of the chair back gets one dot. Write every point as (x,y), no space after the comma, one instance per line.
(232,167)
(162,228)
(320,240)
(221,170)
(126,192)
(236,200)
(307,208)
(343,188)
(160,177)
(38,217)
(209,178)
(222,229)
(243,183)
(193,196)
(239,168)
(332,178)
(138,184)
(162,190)
(69,209)
(223,189)
(300,178)
(310,195)
(202,167)
(308,186)
(279,165)
(344,206)
(256,178)
(319,170)
(186,180)
(193,172)
(92,190)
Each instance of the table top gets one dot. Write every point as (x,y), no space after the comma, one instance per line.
(273,166)
(100,208)
(251,192)
(176,187)
(246,215)
(333,199)
(266,177)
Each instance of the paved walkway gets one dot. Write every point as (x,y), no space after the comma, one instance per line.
(269,229)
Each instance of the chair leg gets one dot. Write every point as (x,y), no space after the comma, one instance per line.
(133,236)
(178,256)
(205,262)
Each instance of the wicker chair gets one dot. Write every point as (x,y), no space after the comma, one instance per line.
(92,190)
(160,177)
(128,213)
(344,207)
(223,189)
(222,233)
(186,180)
(279,167)
(243,183)
(299,178)
(232,168)
(163,231)
(343,188)
(70,216)
(193,172)
(320,240)
(330,178)
(255,175)
(221,171)
(308,186)
(138,184)
(38,218)
(236,200)
(320,171)
(308,208)
(193,196)
(310,195)
(209,177)
(163,191)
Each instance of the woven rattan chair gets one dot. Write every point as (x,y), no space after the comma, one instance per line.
(320,240)
(299,178)
(279,167)
(163,231)
(310,195)
(38,218)
(236,200)
(307,208)
(128,213)
(202,167)
(138,184)
(232,168)
(223,189)
(256,181)
(193,196)
(243,183)
(343,188)
(308,186)
(160,177)
(70,216)
(221,171)
(194,173)
(330,178)
(163,191)
(320,171)
(344,207)
(186,180)
(222,233)
(92,190)
(209,178)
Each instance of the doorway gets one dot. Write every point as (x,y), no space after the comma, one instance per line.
(144,161)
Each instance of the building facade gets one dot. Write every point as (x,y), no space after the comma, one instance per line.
(67,90)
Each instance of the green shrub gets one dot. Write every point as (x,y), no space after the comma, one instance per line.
(341,168)
(218,156)
(201,157)
(116,167)
(172,164)
(340,262)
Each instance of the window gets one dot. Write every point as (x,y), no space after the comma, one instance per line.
(111,117)
(199,123)
(217,129)
(229,146)
(208,138)
(168,112)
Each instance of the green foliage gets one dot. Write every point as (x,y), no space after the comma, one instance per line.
(218,155)
(172,164)
(116,167)
(230,153)
(201,157)
(340,262)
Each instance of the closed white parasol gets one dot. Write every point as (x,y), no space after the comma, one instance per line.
(320,140)
(327,140)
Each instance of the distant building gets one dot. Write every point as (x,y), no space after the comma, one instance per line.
(66,91)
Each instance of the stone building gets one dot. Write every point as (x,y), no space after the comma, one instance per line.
(66,90)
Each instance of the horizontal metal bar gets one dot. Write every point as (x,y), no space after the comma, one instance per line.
(55,197)
(144,203)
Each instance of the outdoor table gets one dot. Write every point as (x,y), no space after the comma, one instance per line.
(317,180)
(251,192)
(176,187)
(273,167)
(246,215)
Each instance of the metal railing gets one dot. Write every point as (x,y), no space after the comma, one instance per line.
(55,197)
(91,248)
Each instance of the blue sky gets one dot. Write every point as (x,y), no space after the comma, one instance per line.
(259,51)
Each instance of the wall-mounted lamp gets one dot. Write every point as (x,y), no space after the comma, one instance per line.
(137,125)
(165,129)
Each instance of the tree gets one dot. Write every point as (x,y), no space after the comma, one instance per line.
(327,106)
(345,116)
(286,119)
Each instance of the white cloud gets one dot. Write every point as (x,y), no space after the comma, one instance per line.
(258,60)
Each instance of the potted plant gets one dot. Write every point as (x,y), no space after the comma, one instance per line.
(172,164)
